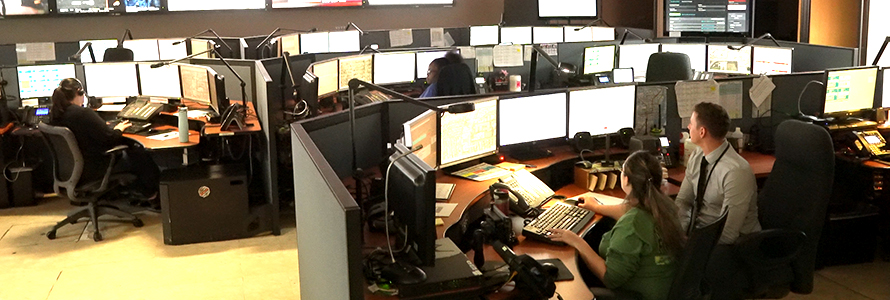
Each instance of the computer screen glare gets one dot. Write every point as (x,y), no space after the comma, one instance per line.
(698,54)
(544,35)
(161,82)
(394,67)
(771,60)
(41,81)
(422,131)
(424,59)
(359,67)
(111,79)
(637,57)
(599,59)
(484,35)
(469,135)
(344,41)
(721,59)
(601,110)
(850,90)
(567,8)
(513,118)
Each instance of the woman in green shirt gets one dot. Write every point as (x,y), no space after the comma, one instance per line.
(638,255)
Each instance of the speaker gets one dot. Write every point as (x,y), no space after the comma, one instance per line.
(645,142)
(582,140)
(624,135)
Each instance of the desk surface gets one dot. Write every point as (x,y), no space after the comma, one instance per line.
(761,165)
(194,135)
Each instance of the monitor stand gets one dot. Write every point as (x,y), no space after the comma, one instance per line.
(529,152)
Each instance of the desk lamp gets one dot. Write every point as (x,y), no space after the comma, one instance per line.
(597,20)
(218,56)
(562,68)
(627,31)
(265,41)
(76,56)
(881,52)
(218,38)
(355,83)
(748,44)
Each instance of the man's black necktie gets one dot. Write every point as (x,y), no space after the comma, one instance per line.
(699,195)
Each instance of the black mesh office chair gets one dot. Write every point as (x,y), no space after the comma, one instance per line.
(455,79)
(688,282)
(792,209)
(668,66)
(68,165)
(117,54)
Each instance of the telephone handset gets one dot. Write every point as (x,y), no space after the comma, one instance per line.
(518,203)
(140,109)
(524,186)
(234,113)
(870,143)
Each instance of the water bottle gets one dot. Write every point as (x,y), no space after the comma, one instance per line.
(183,124)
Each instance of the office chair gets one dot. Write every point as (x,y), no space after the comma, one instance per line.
(117,54)
(68,165)
(688,282)
(668,66)
(455,79)
(792,207)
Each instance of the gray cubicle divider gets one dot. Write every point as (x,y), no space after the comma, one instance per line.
(245,68)
(8,55)
(330,133)
(11,88)
(810,57)
(328,225)
(420,38)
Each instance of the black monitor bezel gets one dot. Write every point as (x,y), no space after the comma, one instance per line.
(847,113)
(547,141)
(417,215)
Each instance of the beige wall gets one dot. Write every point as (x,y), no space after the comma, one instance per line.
(246,23)
(835,22)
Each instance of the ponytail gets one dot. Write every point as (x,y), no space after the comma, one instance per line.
(644,175)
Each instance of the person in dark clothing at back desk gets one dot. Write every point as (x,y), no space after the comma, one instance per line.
(449,76)
(94,137)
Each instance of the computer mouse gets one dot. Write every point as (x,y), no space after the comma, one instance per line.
(403,273)
(570,201)
(585,164)
(550,269)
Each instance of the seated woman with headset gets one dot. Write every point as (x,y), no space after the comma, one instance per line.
(449,76)
(638,257)
(94,137)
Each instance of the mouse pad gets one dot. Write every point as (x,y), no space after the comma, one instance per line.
(564,273)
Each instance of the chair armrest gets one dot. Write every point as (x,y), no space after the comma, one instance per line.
(770,248)
(116,149)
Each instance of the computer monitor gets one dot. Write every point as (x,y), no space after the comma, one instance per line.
(722,59)
(111,79)
(602,110)
(885,98)
(412,196)
(514,114)
(289,43)
(144,50)
(410,2)
(159,82)
(42,80)
(422,130)
(546,35)
(196,83)
(467,136)
(99,47)
(23,8)
(189,5)
(314,3)
(622,75)
(516,35)
(316,42)
(707,16)
(360,67)
(598,59)
(394,67)
(484,35)
(771,60)
(568,8)
(636,56)
(425,58)
(698,54)
(167,50)
(344,41)
(328,76)
(849,90)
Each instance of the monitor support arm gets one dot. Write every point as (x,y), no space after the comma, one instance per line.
(76,56)
(271,35)
(597,20)
(627,31)
(748,44)
(164,63)
(120,42)
(218,38)
(881,52)
(532,74)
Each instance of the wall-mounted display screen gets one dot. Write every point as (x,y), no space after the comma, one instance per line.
(314,3)
(567,8)
(409,2)
(116,6)
(24,7)
(186,5)
(699,16)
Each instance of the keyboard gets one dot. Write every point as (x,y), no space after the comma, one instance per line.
(135,127)
(561,216)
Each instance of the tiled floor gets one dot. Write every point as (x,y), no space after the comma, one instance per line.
(134,263)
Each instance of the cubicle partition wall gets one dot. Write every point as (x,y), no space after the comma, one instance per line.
(329,226)
(420,38)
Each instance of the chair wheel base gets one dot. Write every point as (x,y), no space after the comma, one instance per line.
(51,235)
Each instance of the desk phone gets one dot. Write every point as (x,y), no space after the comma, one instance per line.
(141,109)
(36,114)
(871,142)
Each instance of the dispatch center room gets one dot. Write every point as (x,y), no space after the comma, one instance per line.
(444,149)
